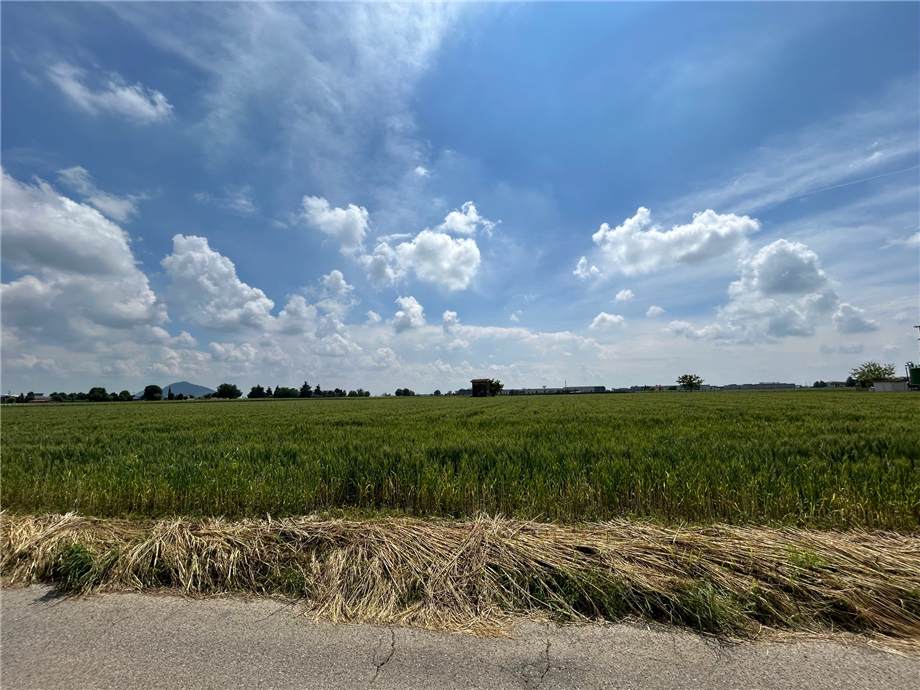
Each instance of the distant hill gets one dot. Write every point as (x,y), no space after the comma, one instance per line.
(183,387)
(187,388)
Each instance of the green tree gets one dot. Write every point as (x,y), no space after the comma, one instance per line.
(125,396)
(169,394)
(285,392)
(227,390)
(97,394)
(256,392)
(495,387)
(269,393)
(153,392)
(689,382)
(306,391)
(868,372)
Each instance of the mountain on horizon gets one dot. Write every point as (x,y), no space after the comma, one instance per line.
(183,387)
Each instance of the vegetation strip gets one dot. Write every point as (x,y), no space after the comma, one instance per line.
(730,581)
(807,459)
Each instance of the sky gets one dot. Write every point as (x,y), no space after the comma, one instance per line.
(387,196)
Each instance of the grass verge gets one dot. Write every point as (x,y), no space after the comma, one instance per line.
(472,575)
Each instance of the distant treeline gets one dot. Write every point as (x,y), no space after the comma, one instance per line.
(305,391)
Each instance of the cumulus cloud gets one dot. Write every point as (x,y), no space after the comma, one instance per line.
(204,285)
(782,291)
(81,276)
(433,257)
(466,221)
(347,225)
(625,295)
(118,208)
(110,93)
(850,319)
(584,270)
(654,311)
(638,246)
(409,315)
(604,321)
(335,284)
(373,317)
(421,171)
(449,319)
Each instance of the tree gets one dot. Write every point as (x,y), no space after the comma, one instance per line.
(227,390)
(437,392)
(97,394)
(306,391)
(256,392)
(268,392)
(689,381)
(285,392)
(113,396)
(495,387)
(169,394)
(125,396)
(819,384)
(317,392)
(153,392)
(868,372)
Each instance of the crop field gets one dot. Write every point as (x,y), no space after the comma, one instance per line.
(813,459)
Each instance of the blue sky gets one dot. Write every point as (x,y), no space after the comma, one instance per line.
(382,196)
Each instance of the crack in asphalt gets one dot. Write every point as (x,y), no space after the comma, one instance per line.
(380,664)
(535,682)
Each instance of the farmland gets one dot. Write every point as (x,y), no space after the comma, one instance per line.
(812,459)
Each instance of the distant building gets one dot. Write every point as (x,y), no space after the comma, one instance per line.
(890,386)
(480,387)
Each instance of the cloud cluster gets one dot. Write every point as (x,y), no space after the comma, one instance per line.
(466,221)
(346,225)
(79,275)
(605,321)
(111,94)
(637,246)
(432,256)
(782,291)
(409,315)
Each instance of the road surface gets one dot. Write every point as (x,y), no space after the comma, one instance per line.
(152,641)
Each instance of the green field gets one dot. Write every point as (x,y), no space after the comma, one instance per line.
(801,458)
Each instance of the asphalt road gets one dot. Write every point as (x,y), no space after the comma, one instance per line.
(150,641)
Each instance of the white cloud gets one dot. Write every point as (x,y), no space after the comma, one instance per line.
(654,311)
(432,257)
(81,276)
(111,94)
(605,321)
(409,315)
(466,221)
(909,241)
(782,291)
(584,270)
(637,246)
(421,171)
(336,285)
(516,316)
(625,295)
(347,225)
(205,287)
(850,319)
(118,208)
(449,319)
(373,317)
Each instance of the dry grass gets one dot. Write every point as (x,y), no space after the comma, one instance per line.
(729,581)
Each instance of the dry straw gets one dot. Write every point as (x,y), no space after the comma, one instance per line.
(730,581)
